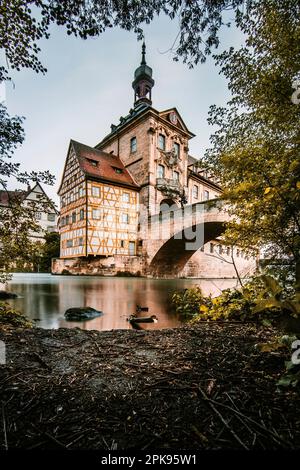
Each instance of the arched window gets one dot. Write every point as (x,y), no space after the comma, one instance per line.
(167,205)
(206,195)
(160,171)
(162,142)
(176,148)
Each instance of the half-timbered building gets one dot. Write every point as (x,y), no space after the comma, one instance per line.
(35,197)
(99,205)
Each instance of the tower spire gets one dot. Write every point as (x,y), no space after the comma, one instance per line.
(143,54)
(143,81)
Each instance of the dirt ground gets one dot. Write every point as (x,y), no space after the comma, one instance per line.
(196,387)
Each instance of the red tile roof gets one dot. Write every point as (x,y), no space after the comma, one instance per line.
(7,196)
(106,165)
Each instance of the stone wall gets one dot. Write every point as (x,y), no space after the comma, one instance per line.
(120,145)
(98,266)
(200,265)
(204,265)
(137,162)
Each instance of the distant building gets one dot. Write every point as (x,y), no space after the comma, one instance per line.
(109,192)
(46,217)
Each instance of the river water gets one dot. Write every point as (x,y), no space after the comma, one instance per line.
(45,298)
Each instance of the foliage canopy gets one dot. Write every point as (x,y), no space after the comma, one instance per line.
(256,147)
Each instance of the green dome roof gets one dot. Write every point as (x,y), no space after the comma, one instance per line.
(143,70)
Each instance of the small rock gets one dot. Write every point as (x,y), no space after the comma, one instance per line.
(7,295)
(82,313)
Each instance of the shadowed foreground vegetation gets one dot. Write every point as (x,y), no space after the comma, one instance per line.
(205,386)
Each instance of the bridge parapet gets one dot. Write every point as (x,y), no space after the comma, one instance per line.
(187,222)
(179,213)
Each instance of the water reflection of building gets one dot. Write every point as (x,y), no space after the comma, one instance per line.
(117,299)
(47,298)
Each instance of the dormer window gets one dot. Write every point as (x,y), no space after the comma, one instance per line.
(92,162)
(119,171)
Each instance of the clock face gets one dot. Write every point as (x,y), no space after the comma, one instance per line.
(173,117)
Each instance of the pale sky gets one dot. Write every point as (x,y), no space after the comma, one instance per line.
(88,87)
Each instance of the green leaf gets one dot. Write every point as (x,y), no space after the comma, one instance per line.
(271,284)
(266,304)
(287,381)
(269,347)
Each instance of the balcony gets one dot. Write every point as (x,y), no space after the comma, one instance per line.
(168,186)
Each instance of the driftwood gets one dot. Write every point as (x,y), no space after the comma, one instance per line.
(134,319)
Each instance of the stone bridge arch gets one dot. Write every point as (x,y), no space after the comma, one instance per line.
(174,237)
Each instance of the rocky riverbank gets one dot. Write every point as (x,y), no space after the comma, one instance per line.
(199,387)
